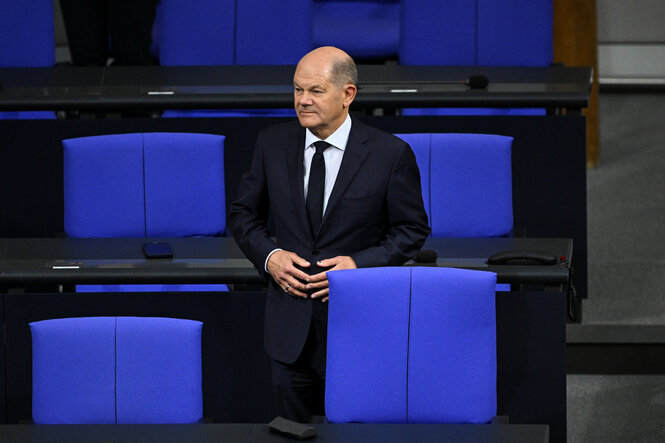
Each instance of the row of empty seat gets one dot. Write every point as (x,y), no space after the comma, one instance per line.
(466,183)
(415,32)
(172,184)
(427,356)
(223,32)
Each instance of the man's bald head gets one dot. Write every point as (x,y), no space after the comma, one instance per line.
(340,66)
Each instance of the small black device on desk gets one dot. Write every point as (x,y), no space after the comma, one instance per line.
(292,429)
(157,250)
(523,258)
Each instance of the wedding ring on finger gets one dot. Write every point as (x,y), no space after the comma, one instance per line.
(288,285)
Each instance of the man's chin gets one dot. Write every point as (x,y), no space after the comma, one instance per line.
(308,120)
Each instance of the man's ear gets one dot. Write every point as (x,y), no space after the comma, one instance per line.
(350,92)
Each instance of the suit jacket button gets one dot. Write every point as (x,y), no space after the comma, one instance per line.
(315,252)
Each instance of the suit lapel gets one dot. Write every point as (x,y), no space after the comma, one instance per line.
(354,156)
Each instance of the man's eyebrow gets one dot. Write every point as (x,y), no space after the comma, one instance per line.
(314,86)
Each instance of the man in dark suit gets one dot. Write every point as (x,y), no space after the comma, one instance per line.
(351,201)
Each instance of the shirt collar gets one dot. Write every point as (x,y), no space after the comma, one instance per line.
(337,139)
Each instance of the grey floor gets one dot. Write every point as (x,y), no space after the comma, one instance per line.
(626,241)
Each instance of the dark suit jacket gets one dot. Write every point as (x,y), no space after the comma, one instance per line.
(375,214)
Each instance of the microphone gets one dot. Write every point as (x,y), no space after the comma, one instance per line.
(477,81)
(425,256)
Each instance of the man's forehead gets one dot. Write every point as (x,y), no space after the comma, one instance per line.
(310,80)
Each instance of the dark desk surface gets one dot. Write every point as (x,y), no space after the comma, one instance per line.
(386,86)
(219,260)
(239,433)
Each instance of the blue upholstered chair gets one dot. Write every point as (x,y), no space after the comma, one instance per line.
(365,29)
(145,185)
(467,183)
(411,345)
(481,33)
(27,40)
(107,370)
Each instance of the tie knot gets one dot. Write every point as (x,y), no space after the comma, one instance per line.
(321,146)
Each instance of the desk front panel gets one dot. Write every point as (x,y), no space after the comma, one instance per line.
(259,433)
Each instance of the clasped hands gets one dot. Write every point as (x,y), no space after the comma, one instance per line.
(281,266)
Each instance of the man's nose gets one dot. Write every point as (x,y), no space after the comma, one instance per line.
(305,99)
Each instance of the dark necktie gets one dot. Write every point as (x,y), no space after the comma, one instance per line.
(315,188)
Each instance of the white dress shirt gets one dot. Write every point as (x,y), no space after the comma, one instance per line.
(332,156)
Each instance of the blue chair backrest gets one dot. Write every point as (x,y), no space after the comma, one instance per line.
(467,183)
(479,33)
(363,28)
(144,185)
(482,32)
(99,370)
(438,33)
(429,355)
(27,37)
(184,184)
(197,32)
(270,32)
(515,33)
(226,32)
(27,40)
